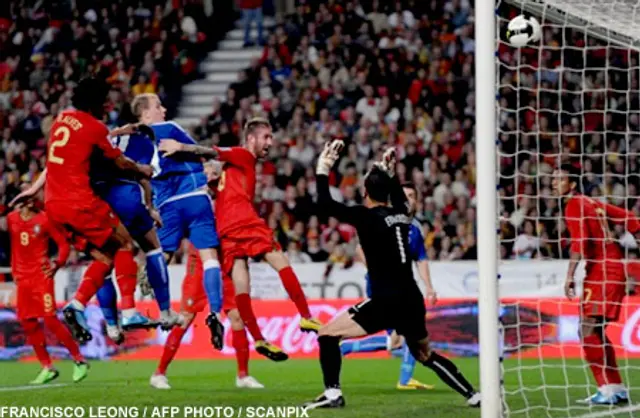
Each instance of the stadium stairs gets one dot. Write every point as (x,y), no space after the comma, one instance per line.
(220,68)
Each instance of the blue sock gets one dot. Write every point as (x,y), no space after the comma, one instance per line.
(398,352)
(158,275)
(366,345)
(108,301)
(407,366)
(212,280)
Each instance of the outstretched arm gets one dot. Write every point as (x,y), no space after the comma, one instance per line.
(171,147)
(31,191)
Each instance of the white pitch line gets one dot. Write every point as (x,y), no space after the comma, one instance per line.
(32,387)
(612,412)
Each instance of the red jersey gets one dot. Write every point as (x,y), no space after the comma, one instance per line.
(588,220)
(236,189)
(73,138)
(30,245)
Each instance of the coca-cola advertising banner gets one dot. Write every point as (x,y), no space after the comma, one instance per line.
(547,328)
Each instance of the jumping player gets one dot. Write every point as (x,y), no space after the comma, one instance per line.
(33,272)
(180,195)
(604,286)
(396,301)
(72,205)
(193,301)
(132,201)
(243,233)
(379,343)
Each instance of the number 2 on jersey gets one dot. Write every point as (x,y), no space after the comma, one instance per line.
(403,253)
(59,139)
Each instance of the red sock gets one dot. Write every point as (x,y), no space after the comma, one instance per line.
(35,337)
(292,286)
(611,370)
(127,277)
(594,353)
(171,348)
(243,301)
(241,345)
(63,334)
(92,281)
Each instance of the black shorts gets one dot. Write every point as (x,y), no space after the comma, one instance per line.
(406,317)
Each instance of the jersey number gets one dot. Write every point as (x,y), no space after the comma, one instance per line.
(221,182)
(403,253)
(24,238)
(60,138)
(606,231)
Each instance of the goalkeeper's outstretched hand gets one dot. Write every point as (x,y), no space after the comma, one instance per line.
(388,162)
(329,156)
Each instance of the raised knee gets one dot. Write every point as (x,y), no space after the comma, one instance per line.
(235,319)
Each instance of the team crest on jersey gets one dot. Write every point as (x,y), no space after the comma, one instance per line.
(36,229)
(189,302)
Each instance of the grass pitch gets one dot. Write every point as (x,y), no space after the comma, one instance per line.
(368,386)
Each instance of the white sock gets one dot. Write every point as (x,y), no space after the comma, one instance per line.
(607,390)
(128,313)
(77,305)
(332,393)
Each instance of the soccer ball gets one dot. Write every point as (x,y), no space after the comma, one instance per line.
(523,30)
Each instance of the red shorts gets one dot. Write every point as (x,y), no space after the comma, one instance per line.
(253,240)
(602,298)
(35,298)
(92,224)
(194,298)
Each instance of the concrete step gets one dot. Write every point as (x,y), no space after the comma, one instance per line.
(205,87)
(239,34)
(211,65)
(246,54)
(199,112)
(266,22)
(187,122)
(229,44)
(200,99)
(224,77)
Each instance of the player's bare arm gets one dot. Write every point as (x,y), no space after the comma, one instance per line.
(148,201)
(425,275)
(569,283)
(170,147)
(31,191)
(127,164)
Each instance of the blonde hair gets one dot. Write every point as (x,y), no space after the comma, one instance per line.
(252,124)
(140,103)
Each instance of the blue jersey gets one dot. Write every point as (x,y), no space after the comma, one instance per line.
(124,195)
(175,178)
(417,251)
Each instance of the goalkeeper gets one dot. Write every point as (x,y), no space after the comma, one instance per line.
(396,301)
(392,341)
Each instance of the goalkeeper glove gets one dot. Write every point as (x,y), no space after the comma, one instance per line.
(388,162)
(329,156)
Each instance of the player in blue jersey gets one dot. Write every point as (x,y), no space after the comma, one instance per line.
(393,341)
(180,194)
(132,201)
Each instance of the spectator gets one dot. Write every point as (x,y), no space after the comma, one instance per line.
(252,12)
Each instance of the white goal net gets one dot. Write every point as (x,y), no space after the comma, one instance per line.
(573,97)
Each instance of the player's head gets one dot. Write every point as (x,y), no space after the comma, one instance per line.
(148,109)
(566,179)
(212,169)
(376,187)
(90,95)
(411,193)
(28,205)
(258,136)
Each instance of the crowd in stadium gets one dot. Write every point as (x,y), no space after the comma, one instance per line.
(375,74)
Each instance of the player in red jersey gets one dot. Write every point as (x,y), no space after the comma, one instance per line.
(194,300)
(604,285)
(243,234)
(72,205)
(33,272)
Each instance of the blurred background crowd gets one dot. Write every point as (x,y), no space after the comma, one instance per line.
(374,73)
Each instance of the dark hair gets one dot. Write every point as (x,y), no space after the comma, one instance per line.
(573,173)
(377,184)
(89,96)
(409,185)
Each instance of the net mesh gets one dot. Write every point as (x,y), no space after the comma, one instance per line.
(571,98)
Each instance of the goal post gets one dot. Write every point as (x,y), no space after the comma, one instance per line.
(573,95)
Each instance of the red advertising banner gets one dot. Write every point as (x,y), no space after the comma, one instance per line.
(531,328)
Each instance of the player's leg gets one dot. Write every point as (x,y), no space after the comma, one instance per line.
(158,275)
(242,285)
(240,344)
(407,368)
(159,378)
(362,319)
(80,367)
(36,338)
(108,302)
(280,263)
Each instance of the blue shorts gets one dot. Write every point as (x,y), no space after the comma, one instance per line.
(127,201)
(368,290)
(192,218)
